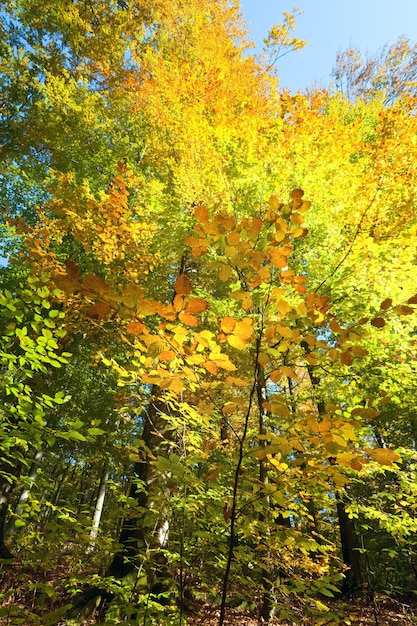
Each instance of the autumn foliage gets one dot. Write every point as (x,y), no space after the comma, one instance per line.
(207,322)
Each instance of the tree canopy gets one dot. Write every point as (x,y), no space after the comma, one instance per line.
(207,320)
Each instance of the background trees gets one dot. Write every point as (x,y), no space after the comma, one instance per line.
(236,361)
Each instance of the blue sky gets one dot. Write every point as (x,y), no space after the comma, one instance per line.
(329,26)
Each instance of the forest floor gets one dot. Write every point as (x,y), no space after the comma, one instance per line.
(26,597)
(383,612)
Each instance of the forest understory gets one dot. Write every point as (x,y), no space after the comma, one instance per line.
(30,594)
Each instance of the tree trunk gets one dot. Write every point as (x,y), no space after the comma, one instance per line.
(266,610)
(24,494)
(99,503)
(353,581)
(139,537)
(5,491)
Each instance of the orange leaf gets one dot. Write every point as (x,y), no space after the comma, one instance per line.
(247,304)
(211,367)
(183,285)
(412,300)
(178,303)
(334,326)
(188,319)
(228,324)
(275,376)
(176,385)
(383,456)
(166,355)
(277,259)
(243,329)
(201,214)
(135,328)
(197,305)
(233,238)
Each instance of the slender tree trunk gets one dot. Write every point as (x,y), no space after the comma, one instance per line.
(5,491)
(24,494)
(266,610)
(353,581)
(9,473)
(99,503)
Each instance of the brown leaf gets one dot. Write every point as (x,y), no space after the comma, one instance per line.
(73,271)
(378,322)
(98,310)
(92,282)
(183,285)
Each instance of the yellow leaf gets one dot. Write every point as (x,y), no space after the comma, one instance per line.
(183,285)
(287,371)
(280,409)
(147,307)
(224,273)
(178,303)
(283,307)
(223,361)
(263,359)
(239,382)
(359,351)
(236,342)
(274,204)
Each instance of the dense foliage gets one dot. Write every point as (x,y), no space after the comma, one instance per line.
(208,327)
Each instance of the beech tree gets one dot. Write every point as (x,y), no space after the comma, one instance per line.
(227,346)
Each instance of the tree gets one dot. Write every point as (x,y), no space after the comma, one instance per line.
(231,341)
